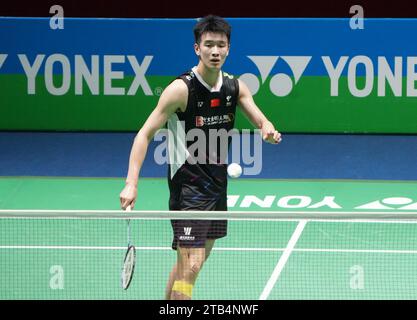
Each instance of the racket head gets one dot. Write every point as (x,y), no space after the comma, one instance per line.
(128,267)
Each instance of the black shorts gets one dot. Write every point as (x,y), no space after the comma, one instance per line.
(195,233)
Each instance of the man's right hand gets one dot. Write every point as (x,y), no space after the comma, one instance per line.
(128,196)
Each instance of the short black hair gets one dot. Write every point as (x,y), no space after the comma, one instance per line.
(211,23)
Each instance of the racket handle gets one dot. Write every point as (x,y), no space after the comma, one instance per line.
(129,236)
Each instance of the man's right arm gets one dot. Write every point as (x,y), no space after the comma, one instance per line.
(173,98)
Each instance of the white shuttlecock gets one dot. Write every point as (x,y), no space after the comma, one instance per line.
(234,170)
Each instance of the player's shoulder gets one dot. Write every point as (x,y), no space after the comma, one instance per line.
(231,82)
(176,88)
(176,93)
(187,76)
(243,88)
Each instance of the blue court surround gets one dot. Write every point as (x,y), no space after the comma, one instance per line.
(299,156)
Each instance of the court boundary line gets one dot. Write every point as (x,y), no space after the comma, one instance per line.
(283,260)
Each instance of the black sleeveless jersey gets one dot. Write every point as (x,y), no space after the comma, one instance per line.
(198,142)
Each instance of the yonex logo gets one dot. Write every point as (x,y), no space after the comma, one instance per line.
(187,231)
(75,72)
(401,203)
(329,202)
(280,84)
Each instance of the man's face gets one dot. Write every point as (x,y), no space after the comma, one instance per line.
(212,50)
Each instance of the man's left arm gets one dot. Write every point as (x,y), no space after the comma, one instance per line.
(255,115)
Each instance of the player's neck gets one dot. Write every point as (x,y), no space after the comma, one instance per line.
(209,76)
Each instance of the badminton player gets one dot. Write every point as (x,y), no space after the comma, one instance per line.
(203,98)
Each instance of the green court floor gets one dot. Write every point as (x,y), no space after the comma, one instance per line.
(268,259)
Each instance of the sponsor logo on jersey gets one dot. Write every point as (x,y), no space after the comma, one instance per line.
(201,121)
(228,101)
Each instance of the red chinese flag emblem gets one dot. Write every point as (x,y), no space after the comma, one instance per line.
(214,103)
